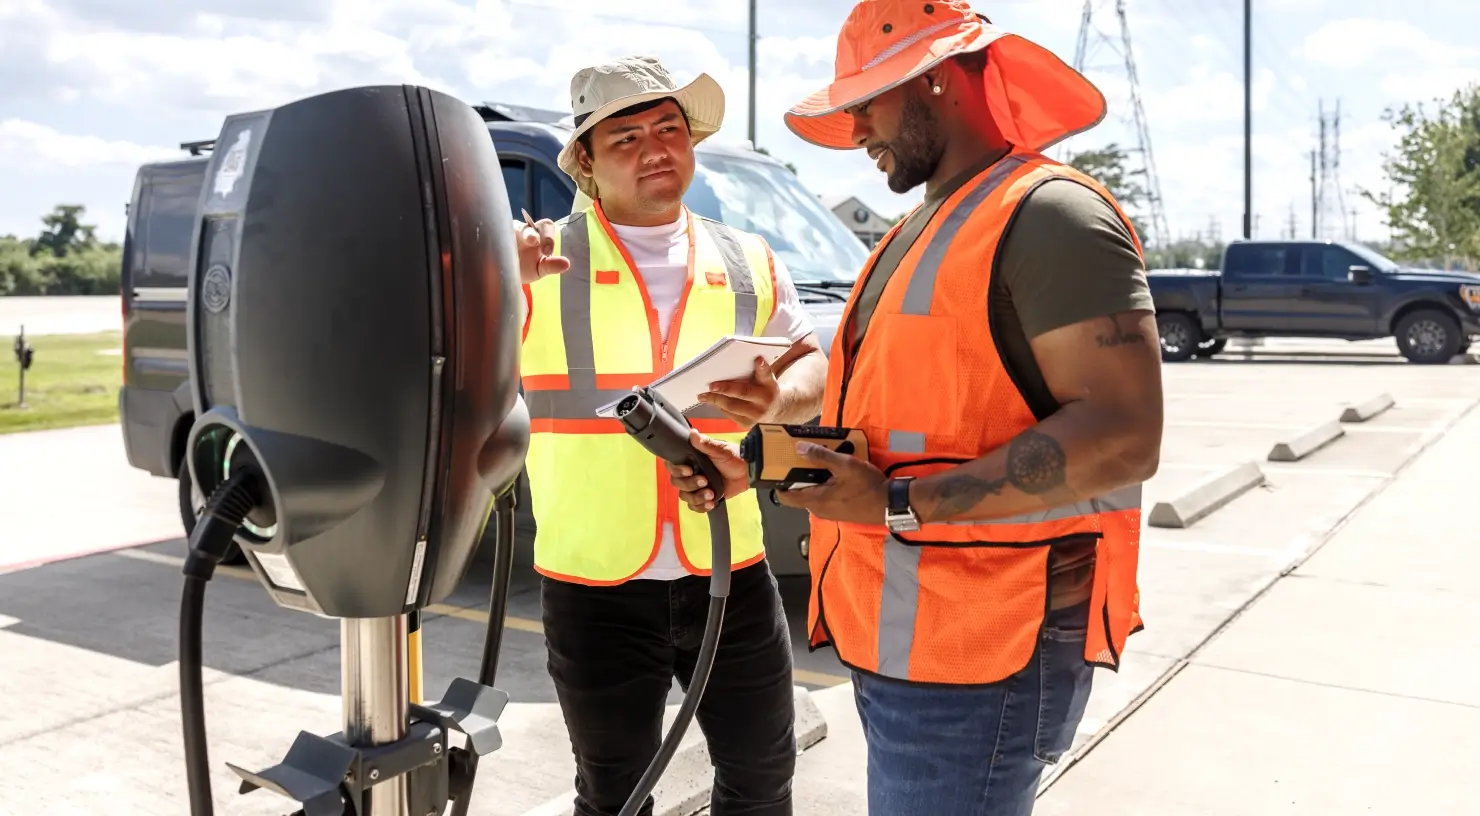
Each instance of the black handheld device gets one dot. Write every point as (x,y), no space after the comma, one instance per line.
(664,431)
(772,461)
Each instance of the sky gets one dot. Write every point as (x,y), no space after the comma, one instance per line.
(90,89)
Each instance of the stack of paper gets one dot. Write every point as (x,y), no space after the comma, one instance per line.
(730,358)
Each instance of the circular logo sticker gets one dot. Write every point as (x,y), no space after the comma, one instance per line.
(215,290)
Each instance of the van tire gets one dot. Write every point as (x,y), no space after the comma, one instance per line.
(1428,336)
(189,515)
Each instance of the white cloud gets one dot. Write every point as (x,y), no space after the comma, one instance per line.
(87,87)
(33,147)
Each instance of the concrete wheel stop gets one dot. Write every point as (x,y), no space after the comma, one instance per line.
(1206,497)
(1307,443)
(1367,410)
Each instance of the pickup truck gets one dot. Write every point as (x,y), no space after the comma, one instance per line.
(1315,289)
(735,184)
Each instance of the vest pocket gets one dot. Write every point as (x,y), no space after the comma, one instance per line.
(914,386)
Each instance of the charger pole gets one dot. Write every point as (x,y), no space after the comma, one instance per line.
(375,688)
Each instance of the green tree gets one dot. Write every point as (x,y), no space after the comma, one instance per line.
(65,259)
(1434,203)
(65,232)
(1111,166)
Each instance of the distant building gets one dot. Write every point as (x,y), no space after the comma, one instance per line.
(868,225)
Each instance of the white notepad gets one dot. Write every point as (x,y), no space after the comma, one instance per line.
(730,358)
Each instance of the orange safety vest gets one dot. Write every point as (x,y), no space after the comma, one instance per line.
(956,602)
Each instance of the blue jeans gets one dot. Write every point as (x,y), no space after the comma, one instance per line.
(978,750)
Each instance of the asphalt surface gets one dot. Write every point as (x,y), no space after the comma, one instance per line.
(88,608)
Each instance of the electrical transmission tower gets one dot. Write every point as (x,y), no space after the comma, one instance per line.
(1329,205)
(1090,35)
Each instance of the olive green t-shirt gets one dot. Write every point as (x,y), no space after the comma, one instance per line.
(1067,257)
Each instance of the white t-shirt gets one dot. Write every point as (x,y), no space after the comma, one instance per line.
(662,258)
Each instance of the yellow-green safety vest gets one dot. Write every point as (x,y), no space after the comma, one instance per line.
(599,498)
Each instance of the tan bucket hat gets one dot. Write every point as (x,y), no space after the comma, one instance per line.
(601,90)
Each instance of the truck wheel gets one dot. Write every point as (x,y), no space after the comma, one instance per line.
(1428,336)
(1179,336)
(192,505)
(1211,347)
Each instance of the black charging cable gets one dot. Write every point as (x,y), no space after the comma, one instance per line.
(664,431)
(209,542)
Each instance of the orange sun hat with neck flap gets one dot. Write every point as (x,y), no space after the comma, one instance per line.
(1035,98)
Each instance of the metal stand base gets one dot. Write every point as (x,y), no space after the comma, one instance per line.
(393,757)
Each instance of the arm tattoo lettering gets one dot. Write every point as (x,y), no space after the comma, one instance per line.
(1117,336)
(1035,465)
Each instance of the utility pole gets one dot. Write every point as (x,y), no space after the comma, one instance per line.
(751,123)
(1314,196)
(1248,120)
(1158,233)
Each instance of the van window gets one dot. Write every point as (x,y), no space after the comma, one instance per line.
(515,183)
(170,225)
(552,197)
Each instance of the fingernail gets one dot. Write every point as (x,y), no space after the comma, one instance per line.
(708,494)
(804,448)
(703,483)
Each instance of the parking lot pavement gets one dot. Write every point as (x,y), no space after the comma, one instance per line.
(65,493)
(92,721)
(53,314)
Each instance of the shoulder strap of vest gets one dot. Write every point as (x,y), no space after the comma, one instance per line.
(728,241)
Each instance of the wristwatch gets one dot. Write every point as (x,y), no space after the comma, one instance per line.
(899,517)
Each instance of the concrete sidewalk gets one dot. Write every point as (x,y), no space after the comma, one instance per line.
(1349,687)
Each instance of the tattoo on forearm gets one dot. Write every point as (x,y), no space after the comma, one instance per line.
(1036,465)
(960,492)
(1118,336)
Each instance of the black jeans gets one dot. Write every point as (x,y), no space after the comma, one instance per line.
(614,653)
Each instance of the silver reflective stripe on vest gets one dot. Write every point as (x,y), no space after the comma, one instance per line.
(899,599)
(570,404)
(921,291)
(738,271)
(575,305)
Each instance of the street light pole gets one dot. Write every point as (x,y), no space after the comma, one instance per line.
(1248,122)
(751,130)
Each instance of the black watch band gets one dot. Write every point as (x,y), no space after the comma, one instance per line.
(899,495)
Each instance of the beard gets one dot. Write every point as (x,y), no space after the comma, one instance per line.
(918,148)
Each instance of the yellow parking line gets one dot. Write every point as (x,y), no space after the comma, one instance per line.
(474,615)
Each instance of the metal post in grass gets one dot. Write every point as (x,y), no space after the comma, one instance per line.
(24,353)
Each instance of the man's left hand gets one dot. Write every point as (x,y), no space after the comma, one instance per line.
(857,491)
(746,401)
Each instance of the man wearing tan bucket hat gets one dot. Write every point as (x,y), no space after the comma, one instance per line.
(627,287)
(1001,354)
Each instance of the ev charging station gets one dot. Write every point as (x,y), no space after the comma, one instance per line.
(354,338)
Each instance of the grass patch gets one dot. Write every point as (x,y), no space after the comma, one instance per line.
(74,380)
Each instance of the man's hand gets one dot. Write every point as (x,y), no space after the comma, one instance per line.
(746,401)
(694,489)
(857,491)
(536,243)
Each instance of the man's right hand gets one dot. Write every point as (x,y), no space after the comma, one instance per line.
(692,487)
(536,245)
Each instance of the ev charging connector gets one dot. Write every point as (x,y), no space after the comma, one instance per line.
(353,329)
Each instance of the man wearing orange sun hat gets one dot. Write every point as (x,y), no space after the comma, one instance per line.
(1000,352)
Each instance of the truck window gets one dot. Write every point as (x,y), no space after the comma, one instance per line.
(1331,263)
(1262,261)
(552,199)
(516,183)
(169,225)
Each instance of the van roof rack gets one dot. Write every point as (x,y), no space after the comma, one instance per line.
(196,148)
(504,112)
